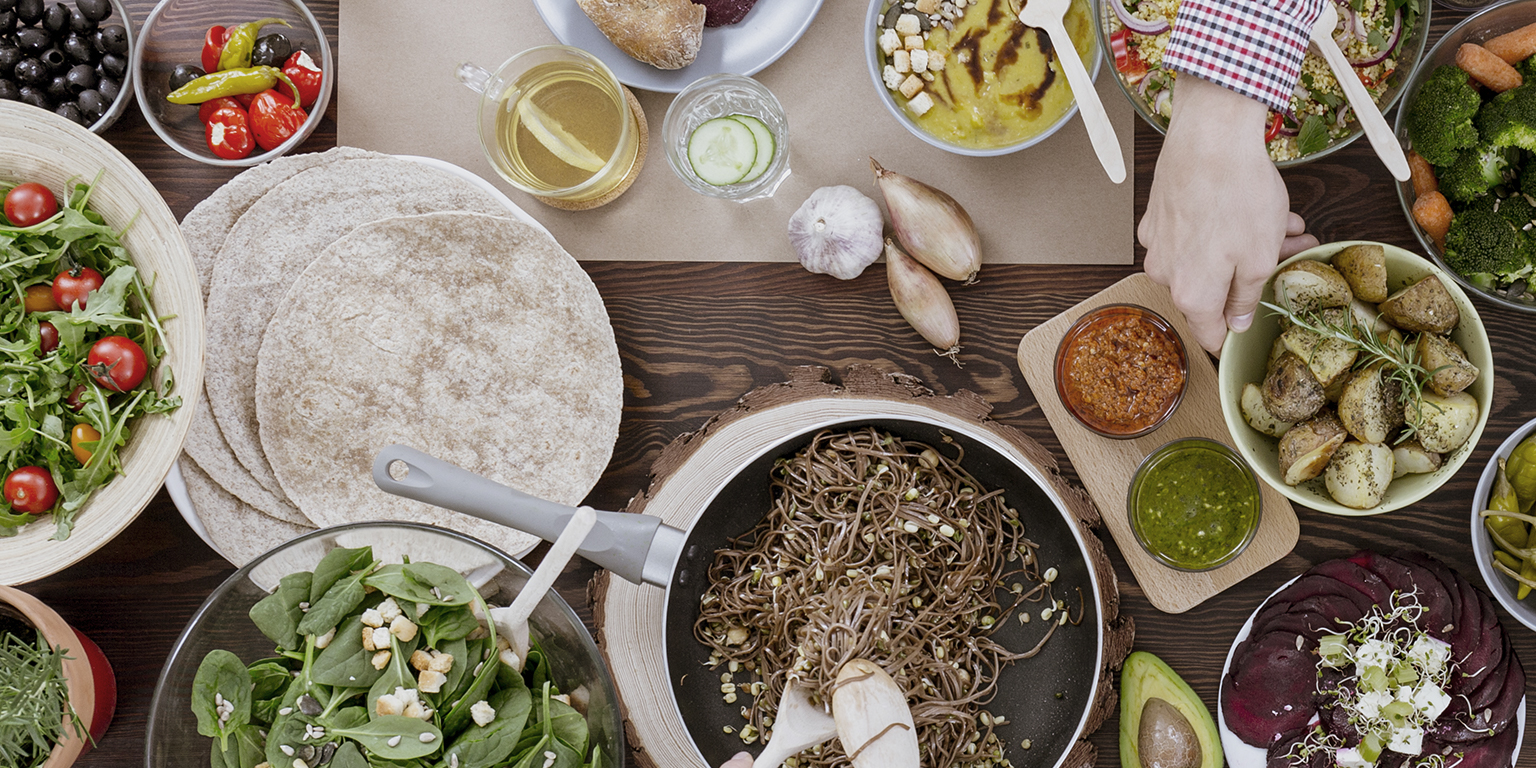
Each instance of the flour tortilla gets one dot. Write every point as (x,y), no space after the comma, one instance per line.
(476,339)
(206,446)
(239,532)
(269,247)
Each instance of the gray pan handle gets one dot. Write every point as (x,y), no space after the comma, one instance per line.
(638,548)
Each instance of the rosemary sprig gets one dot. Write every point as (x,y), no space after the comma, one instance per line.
(1400,360)
(34,696)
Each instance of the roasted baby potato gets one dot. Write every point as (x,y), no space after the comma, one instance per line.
(1310,285)
(1359,474)
(1423,306)
(1410,458)
(1257,414)
(1369,407)
(1364,267)
(1328,358)
(1290,390)
(1443,422)
(1367,316)
(1306,449)
(1453,372)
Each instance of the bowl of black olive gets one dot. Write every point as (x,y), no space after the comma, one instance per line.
(70,58)
(232,83)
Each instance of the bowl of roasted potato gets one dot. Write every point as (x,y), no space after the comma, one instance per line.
(1364,382)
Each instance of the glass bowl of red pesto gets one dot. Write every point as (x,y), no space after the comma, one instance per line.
(1121,370)
(1194,504)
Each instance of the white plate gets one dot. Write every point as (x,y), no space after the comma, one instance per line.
(176,486)
(1241,754)
(743,48)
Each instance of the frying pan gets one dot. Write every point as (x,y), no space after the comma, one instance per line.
(1046,699)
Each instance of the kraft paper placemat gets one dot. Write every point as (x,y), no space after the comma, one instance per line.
(1049,204)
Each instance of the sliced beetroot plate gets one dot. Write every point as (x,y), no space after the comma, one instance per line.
(1352,574)
(1270,689)
(720,13)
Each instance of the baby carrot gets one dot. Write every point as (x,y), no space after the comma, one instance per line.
(1433,213)
(1423,175)
(1515,46)
(1486,68)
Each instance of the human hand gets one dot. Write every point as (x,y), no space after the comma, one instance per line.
(1218,219)
(739,760)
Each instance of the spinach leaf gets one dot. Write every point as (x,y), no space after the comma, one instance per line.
(533,755)
(458,716)
(568,725)
(449,586)
(349,717)
(337,563)
(264,712)
(461,675)
(482,746)
(411,738)
(289,731)
(348,756)
(536,669)
(565,756)
(221,678)
(246,749)
(339,601)
(278,615)
(457,673)
(597,757)
(269,678)
(393,580)
(1313,136)
(447,623)
(344,662)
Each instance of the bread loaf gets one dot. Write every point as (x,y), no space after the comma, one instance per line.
(663,33)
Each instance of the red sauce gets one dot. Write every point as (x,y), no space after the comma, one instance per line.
(1121,370)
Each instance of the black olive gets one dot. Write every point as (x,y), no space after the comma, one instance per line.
(182,74)
(35,97)
(112,39)
(92,105)
(95,10)
(29,11)
(58,90)
(79,49)
(9,55)
(81,24)
(31,72)
(54,59)
(7,22)
(56,19)
(7,5)
(9,91)
(33,41)
(113,64)
(271,51)
(81,77)
(69,111)
(108,88)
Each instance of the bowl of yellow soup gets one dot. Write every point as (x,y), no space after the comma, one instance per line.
(966,76)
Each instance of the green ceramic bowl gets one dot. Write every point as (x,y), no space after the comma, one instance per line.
(1243,360)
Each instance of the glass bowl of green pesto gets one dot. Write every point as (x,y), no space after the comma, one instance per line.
(1194,504)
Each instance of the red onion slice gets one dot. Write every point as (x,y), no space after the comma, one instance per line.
(1134,24)
(1385,53)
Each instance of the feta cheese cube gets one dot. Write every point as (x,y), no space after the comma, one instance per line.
(431,682)
(1372,653)
(920,104)
(902,61)
(936,61)
(1430,700)
(564,698)
(380,660)
(911,86)
(418,710)
(482,713)
(1429,653)
(1349,757)
(1370,704)
(388,704)
(403,628)
(889,41)
(380,638)
(907,24)
(509,658)
(406,695)
(421,660)
(373,618)
(368,639)
(913,43)
(325,639)
(919,59)
(441,662)
(389,609)
(1408,740)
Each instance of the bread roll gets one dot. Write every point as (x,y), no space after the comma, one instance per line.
(663,33)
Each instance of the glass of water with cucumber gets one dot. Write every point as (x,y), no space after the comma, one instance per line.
(727,137)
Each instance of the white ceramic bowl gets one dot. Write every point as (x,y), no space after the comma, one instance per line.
(1502,587)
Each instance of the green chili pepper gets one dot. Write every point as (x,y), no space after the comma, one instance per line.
(1503,499)
(231,82)
(1522,472)
(237,48)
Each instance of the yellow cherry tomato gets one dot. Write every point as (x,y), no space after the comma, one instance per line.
(78,437)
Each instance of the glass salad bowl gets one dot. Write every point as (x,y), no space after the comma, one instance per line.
(574,662)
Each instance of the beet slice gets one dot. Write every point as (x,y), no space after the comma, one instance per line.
(1454,727)
(1396,575)
(720,13)
(1489,682)
(1337,612)
(1353,575)
(1305,624)
(1496,751)
(1269,689)
(1440,610)
(1314,584)
(1449,581)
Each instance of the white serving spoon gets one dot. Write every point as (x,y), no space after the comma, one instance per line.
(513,619)
(1376,129)
(800,725)
(1046,15)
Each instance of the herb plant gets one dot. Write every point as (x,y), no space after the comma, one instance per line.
(34,697)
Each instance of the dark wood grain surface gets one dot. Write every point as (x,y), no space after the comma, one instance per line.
(694,337)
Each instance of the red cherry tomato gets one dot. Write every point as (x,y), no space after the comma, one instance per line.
(213,45)
(31,490)
(29,203)
(213,105)
(73,285)
(76,399)
(229,133)
(47,338)
(117,363)
(1275,121)
(307,75)
(274,119)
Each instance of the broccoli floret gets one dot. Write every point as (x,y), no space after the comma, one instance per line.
(1518,211)
(1528,179)
(1476,171)
(1509,120)
(1527,68)
(1481,241)
(1440,119)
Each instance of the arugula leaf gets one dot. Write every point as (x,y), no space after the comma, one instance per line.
(1313,136)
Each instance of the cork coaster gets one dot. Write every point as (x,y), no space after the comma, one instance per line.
(598,202)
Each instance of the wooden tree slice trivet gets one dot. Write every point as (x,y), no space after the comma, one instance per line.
(630,618)
(634,173)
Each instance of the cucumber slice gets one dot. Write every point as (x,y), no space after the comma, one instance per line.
(722,151)
(765,145)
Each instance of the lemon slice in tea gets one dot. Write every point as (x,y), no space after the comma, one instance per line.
(556,139)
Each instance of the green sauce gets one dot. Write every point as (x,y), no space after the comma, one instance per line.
(1194,507)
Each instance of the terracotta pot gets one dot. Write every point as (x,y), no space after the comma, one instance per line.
(92,686)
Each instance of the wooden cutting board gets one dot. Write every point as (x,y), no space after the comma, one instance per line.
(1106,466)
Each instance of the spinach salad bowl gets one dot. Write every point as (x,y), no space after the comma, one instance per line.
(399,562)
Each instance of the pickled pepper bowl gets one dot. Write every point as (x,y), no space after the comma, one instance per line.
(1501,586)
(173,34)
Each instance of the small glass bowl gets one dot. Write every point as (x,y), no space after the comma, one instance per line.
(1246,504)
(1078,405)
(719,96)
(173,34)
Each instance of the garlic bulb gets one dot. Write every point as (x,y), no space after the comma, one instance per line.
(874,721)
(836,232)
(931,225)
(922,301)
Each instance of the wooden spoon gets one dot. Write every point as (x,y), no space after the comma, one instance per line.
(1046,15)
(874,721)
(1376,129)
(513,619)
(799,725)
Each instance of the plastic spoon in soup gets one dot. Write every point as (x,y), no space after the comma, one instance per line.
(513,619)
(799,725)
(1375,126)
(1046,15)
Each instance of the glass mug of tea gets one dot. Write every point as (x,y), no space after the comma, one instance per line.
(555,123)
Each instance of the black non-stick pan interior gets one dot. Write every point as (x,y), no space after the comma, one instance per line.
(1043,698)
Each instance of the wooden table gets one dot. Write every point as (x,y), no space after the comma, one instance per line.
(694,337)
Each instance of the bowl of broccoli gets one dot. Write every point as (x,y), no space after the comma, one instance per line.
(1472,199)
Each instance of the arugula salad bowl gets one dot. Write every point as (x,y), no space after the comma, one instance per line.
(225,639)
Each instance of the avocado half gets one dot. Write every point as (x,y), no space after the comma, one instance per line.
(1176,715)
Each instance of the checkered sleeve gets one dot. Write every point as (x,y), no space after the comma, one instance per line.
(1252,47)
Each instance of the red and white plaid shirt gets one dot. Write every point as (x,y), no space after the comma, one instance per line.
(1253,47)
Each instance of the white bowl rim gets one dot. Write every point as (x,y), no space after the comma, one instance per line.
(1482,546)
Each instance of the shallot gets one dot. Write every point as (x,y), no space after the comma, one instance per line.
(934,228)
(836,232)
(922,301)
